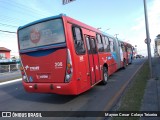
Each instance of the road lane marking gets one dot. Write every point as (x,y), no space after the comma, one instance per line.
(11,81)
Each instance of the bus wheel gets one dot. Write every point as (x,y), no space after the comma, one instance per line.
(124,64)
(105,76)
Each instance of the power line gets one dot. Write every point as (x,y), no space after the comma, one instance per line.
(24,7)
(7,31)
(32,12)
(8,25)
(10,19)
(19,8)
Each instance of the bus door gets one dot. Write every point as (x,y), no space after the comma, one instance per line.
(93,60)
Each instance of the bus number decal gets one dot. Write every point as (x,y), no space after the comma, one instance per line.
(58,65)
(81,59)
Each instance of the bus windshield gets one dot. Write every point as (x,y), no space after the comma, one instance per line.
(41,34)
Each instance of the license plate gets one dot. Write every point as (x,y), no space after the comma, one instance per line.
(43,76)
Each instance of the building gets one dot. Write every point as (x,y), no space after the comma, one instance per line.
(157,46)
(4,53)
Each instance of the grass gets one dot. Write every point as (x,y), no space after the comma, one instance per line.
(132,99)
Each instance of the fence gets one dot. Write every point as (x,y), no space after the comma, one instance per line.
(9,68)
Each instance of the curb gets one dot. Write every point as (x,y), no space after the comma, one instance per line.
(11,81)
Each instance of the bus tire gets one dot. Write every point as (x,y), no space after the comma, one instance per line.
(105,76)
(124,64)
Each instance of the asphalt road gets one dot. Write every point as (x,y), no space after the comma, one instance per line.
(100,98)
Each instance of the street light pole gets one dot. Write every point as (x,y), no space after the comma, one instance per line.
(108,29)
(116,35)
(99,28)
(148,38)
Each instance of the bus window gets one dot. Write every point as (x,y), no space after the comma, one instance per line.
(106,44)
(111,46)
(106,39)
(123,47)
(88,45)
(93,44)
(103,39)
(129,49)
(99,43)
(78,40)
(41,34)
(111,43)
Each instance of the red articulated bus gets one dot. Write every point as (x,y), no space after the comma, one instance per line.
(64,56)
(127,50)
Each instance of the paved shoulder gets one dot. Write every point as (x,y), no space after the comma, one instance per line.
(151,99)
(9,76)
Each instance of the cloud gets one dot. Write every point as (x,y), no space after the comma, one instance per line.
(140,24)
(10,41)
(154,19)
(139,31)
(135,35)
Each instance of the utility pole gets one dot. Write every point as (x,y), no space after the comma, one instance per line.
(148,40)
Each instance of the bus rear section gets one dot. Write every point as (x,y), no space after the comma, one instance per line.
(46,60)
(127,53)
(130,53)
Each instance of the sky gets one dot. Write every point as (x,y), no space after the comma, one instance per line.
(122,17)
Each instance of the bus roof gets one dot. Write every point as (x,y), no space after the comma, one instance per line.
(84,25)
(104,33)
(41,20)
(59,16)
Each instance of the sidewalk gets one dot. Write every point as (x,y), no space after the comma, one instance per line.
(9,76)
(151,98)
